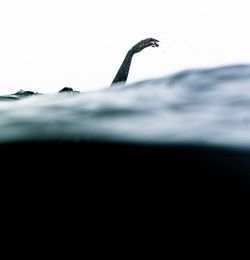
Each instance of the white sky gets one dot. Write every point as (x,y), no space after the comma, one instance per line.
(46,45)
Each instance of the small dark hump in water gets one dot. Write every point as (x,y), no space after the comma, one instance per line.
(23,93)
(68,90)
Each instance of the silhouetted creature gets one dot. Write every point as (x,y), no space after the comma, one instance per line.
(122,74)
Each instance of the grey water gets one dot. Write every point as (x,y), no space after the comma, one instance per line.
(197,106)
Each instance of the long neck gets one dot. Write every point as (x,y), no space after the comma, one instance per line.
(122,74)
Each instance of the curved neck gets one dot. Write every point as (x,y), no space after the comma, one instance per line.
(122,74)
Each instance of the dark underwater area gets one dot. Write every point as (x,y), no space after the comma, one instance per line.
(185,136)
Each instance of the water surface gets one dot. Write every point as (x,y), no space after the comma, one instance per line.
(199,106)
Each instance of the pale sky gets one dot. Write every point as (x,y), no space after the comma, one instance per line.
(46,45)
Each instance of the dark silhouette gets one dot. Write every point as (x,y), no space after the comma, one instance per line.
(67,89)
(122,74)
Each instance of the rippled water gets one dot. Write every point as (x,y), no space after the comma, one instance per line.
(205,106)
